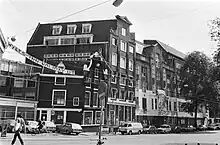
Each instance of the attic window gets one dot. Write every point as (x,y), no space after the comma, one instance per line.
(57,30)
(71,29)
(86,28)
(123,31)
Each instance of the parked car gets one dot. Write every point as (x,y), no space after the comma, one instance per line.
(212,127)
(190,128)
(70,128)
(11,124)
(150,129)
(202,127)
(165,128)
(177,129)
(130,128)
(30,126)
(50,126)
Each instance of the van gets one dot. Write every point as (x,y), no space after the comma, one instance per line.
(131,128)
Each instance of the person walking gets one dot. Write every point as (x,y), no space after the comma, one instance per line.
(19,124)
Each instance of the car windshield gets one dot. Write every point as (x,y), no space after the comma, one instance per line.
(32,123)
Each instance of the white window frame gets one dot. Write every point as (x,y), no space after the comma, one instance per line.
(89,99)
(114,40)
(122,81)
(86,25)
(96,73)
(131,49)
(56,27)
(84,118)
(123,46)
(97,99)
(121,65)
(73,26)
(64,82)
(31,81)
(100,116)
(74,101)
(129,92)
(113,92)
(131,80)
(115,78)
(131,63)
(123,31)
(114,59)
(56,90)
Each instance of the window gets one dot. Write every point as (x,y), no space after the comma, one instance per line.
(158,75)
(31,84)
(67,41)
(122,95)
(57,30)
(170,108)
(114,41)
(114,93)
(87,98)
(88,115)
(123,80)
(86,28)
(95,99)
(114,59)
(3,81)
(18,82)
(157,59)
(60,81)
(131,95)
(59,97)
(114,78)
(84,40)
(131,49)
(30,95)
(130,65)
(75,101)
(123,46)
(17,95)
(152,101)
(88,82)
(51,41)
(96,81)
(144,103)
(123,31)
(175,106)
(71,29)
(123,62)
(130,82)
(96,72)
(98,116)
(137,68)
(144,71)
(155,104)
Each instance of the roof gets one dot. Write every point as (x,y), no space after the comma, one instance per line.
(140,46)
(171,50)
(124,18)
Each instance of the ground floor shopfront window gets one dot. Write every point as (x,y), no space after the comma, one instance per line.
(7,112)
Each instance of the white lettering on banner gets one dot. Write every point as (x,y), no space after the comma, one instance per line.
(39,62)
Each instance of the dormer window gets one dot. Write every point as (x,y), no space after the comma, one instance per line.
(71,29)
(86,28)
(57,30)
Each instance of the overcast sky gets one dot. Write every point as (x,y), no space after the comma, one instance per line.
(180,24)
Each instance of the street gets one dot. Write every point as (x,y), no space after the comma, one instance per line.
(211,137)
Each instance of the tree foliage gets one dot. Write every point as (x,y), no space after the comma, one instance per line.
(197,80)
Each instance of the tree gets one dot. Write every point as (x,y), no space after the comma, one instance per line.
(195,78)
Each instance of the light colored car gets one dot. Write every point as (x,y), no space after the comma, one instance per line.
(165,128)
(70,128)
(31,126)
(150,129)
(50,126)
(131,128)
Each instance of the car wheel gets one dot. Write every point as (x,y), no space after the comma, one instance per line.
(77,133)
(122,133)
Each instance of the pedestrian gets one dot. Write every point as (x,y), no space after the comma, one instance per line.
(19,124)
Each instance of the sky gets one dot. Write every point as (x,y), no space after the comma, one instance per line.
(181,24)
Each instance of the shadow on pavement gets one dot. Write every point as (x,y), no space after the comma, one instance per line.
(200,132)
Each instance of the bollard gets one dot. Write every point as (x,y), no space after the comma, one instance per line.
(198,143)
(185,143)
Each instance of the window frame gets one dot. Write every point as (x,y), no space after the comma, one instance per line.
(121,65)
(131,63)
(97,99)
(57,90)
(112,93)
(114,61)
(84,118)
(123,47)
(56,27)
(96,73)
(55,81)
(74,26)
(74,101)
(123,31)
(100,117)
(89,98)
(86,25)
(129,47)
(31,81)
(18,79)
(123,76)
(114,41)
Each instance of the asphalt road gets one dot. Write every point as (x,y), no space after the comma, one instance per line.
(204,138)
